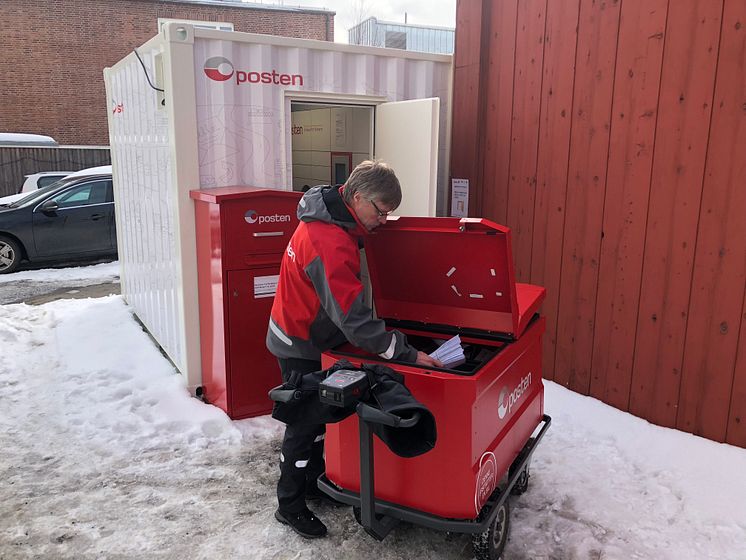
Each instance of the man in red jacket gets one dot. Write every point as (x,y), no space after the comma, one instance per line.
(319,305)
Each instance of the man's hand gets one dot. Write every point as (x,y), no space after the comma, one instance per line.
(425,360)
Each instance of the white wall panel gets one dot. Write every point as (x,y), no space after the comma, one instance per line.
(143,194)
(244,138)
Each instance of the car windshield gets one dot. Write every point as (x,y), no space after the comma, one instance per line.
(39,193)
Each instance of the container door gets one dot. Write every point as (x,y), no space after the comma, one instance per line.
(406,137)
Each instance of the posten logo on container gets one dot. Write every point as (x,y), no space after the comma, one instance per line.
(220,69)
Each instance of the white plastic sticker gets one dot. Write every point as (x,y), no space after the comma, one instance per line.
(265,286)
(460,198)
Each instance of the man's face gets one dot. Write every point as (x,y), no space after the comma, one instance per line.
(369,211)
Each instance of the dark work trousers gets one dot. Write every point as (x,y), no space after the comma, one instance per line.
(302,456)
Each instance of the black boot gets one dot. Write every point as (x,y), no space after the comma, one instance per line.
(305,523)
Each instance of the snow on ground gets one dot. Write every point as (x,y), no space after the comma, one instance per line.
(98,272)
(25,285)
(104,455)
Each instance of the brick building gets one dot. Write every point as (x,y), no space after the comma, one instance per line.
(54,53)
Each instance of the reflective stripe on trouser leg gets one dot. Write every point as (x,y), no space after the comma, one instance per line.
(299,462)
(297,445)
(316,464)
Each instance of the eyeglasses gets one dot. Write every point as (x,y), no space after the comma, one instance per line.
(381,213)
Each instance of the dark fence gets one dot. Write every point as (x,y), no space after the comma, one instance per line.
(17,162)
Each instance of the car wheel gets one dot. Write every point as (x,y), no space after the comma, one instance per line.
(10,255)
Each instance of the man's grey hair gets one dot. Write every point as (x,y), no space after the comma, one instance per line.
(374,180)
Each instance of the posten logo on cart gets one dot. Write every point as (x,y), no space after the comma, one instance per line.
(253,217)
(507,400)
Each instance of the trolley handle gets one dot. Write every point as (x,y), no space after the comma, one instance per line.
(373,415)
(278,394)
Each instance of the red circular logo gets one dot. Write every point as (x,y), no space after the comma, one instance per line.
(219,68)
(486,480)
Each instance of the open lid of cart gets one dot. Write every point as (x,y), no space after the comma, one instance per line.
(456,272)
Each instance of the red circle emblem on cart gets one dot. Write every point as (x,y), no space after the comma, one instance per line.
(486,480)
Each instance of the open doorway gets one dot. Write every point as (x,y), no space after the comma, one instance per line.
(328,141)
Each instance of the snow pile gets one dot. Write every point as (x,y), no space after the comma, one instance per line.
(98,272)
(106,456)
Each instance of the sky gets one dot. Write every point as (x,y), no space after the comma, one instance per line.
(105,455)
(440,13)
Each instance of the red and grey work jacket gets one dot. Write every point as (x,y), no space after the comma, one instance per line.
(319,300)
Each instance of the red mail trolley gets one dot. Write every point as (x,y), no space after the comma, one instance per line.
(433,278)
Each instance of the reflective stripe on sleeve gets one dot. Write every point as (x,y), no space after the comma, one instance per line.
(279,334)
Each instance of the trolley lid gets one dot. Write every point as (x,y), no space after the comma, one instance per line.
(449,271)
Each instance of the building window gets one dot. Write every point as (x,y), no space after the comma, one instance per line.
(219,25)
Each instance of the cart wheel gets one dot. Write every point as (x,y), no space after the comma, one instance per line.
(490,544)
(357,512)
(521,485)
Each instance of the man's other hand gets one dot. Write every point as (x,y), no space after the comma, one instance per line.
(425,360)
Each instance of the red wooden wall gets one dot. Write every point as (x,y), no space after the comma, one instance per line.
(610,135)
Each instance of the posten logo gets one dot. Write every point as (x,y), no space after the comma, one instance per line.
(252,217)
(513,397)
(219,68)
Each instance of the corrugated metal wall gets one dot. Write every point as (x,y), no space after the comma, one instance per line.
(610,135)
(145,201)
(243,138)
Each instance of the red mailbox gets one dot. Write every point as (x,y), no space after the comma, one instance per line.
(242,233)
(433,278)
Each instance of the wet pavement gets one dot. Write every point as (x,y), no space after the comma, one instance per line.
(37,293)
(46,289)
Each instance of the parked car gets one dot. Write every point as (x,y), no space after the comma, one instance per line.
(42,179)
(90,171)
(23,139)
(70,219)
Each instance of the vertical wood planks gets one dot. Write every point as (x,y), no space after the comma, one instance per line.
(736,434)
(638,72)
(720,260)
(551,174)
(687,87)
(498,109)
(589,143)
(465,157)
(636,224)
(524,142)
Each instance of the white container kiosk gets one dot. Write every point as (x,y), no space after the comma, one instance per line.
(195,108)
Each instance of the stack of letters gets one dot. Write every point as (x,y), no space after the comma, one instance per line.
(450,352)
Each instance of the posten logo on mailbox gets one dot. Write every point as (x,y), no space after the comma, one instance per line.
(253,217)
